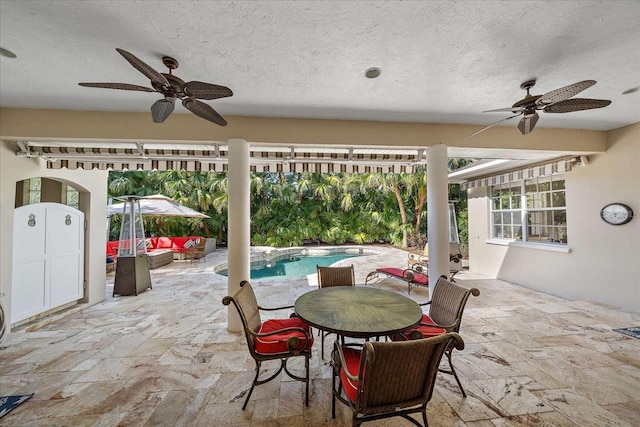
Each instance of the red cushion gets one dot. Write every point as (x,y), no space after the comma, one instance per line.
(427,331)
(112,248)
(277,343)
(164,243)
(352,360)
(391,271)
(430,331)
(418,278)
(177,243)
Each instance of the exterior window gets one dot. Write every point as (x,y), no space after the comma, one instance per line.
(531,211)
(506,212)
(31,191)
(70,196)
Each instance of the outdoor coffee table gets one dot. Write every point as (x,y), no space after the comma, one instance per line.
(358,312)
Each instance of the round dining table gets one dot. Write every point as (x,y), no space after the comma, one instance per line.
(358,312)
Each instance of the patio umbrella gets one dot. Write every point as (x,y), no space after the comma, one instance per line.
(158,205)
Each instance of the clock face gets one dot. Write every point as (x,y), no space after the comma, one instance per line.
(616,213)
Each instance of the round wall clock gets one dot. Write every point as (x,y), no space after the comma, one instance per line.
(616,213)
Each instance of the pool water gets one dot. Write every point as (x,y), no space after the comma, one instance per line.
(294,266)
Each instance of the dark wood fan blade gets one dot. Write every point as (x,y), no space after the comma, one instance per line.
(564,92)
(494,123)
(500,110)
(121,86)
(576,104)
(202,90)
(527,123)
(203,110)
(161,109)
(152,74)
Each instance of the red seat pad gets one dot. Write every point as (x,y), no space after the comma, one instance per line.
(391,271)
(418,278)
(277,343)
(352,360)
(427,331)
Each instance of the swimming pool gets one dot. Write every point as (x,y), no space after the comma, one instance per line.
(293,265)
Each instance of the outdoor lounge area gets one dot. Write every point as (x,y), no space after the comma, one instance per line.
(312,123)
(166,358)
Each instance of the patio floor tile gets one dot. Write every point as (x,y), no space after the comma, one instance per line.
(165,357)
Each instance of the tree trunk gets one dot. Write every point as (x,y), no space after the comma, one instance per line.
(420,208)
(403,214)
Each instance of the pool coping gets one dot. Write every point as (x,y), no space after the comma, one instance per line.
(268,254)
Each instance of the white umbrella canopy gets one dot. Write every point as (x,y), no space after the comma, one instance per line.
(158,205)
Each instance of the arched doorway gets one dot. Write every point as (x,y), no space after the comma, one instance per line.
(48,248)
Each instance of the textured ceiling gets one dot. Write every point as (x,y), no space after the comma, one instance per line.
(442,62)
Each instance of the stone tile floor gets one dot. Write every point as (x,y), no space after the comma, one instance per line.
(165,358)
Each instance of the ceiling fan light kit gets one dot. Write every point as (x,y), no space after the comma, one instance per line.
(172,88)
(557,101)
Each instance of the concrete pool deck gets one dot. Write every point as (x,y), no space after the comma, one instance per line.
(165,358)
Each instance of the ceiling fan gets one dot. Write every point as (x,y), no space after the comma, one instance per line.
(172,88)
(556,101)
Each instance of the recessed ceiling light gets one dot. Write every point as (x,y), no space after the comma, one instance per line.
(7,53)
(373,72)
(632,90)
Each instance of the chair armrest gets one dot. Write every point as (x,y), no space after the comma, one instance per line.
(446,327)
(293,342)
(340,362)
(457,341)
(274,308)
(279,331)
(419,268)
(417,259)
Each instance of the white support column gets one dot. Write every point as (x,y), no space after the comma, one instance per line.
(437,213)
(238,237)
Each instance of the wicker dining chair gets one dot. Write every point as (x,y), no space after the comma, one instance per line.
(334,276)
(445,315)
(388,379)
(272,339)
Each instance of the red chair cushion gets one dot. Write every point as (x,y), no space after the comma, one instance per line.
(430,331)
(391,271)
(352,360)
(277,343)
(427,331)
(164,243)
(418,278)
(112,249)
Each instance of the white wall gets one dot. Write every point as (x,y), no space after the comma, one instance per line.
(92,202)
(603,264)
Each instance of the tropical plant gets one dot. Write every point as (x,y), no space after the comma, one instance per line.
(296,208)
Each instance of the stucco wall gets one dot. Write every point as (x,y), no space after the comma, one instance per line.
(93,187)
(603,264)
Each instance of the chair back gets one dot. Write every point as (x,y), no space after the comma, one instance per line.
(447,303)
(336,276)
(247,305)
(400,374)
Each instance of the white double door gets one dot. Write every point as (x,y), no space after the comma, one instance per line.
(48,258)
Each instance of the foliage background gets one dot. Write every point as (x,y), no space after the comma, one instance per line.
(289,209)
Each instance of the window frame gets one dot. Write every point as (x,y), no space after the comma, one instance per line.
(539,203)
